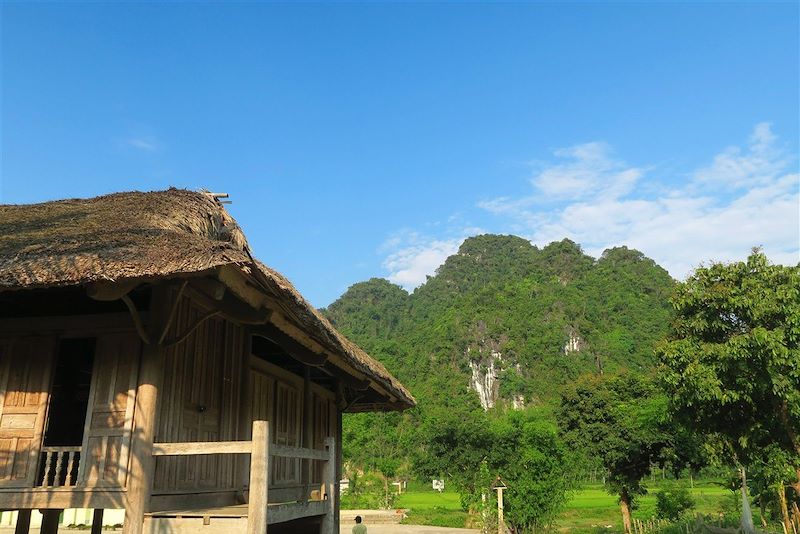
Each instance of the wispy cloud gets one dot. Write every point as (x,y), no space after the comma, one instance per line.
(411,257)
(589,170)
(756,165)
(146,143)
(744,196)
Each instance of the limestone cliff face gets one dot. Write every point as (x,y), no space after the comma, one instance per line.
(485,378)
(487,363)
(574,344)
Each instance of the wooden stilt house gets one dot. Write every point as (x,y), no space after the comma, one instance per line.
(149,363)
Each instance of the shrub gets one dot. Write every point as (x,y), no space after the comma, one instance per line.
(673,503)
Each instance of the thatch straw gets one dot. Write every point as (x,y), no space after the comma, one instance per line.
(163,234)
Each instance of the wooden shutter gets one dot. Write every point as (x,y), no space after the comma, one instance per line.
(322,430)
(109,417)
(25,365)
(287,432)
(261,390)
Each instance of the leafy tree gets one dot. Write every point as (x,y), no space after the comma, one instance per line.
(520,447)
(536,466)
(620,419)
(732,363)
(768,471)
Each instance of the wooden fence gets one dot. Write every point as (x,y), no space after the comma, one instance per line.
(260,450)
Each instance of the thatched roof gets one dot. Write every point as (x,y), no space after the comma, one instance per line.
(148,236)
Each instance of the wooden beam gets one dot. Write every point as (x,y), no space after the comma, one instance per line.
(210,287)
(338,476)
(286,451)
(50,521)
(233,277)
(67,324)
(97,521)
(347,379)
(308,427)
(231,307)
(71,497)
(137,319)
(106,291)
(23,521)
(202,447)
(294,348)
(328,475)
(282,513)
(192,501)
(186,333)
(142,462)
(259,480)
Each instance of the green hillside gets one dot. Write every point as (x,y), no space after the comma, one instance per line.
(501,295)
(505,318)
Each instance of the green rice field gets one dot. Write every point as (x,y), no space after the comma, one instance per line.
(589,510)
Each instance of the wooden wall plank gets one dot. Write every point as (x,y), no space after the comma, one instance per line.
(25,370)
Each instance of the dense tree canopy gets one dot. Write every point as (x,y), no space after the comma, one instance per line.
(500,295)
(732,363)
(622,421)
(520,447)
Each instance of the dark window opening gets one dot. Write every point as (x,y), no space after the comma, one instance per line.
(69,395)
(271,352)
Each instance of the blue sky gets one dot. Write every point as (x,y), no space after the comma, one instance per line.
(361,140)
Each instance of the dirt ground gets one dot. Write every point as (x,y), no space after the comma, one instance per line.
(408,529)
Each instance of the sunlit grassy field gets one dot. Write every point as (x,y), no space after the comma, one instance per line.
(428,507)
(590,508)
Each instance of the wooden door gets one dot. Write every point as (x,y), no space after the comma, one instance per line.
(287,432)
(25,367)
(199,401)
(109,416)
(262,388)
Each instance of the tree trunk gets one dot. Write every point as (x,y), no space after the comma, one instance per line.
(625,508)
(787,522)
(796,486)
(763,512)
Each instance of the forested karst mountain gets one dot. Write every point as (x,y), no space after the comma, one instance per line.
(504,322)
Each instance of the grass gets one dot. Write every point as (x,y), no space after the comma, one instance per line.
(428,507)
(591,508)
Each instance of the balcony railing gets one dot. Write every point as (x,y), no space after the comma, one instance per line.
(260,450)
(58,466)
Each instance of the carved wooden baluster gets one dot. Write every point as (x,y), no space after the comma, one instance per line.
(59,461)
(47,464)
(69,480)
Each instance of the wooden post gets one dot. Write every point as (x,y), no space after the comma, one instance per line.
(142,463)
(259,479)
(307,430)
(23,521)
(50,521)
(338,472)
(501,523)
(97,521)
(328,476)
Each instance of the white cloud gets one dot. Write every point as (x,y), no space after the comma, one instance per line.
(412,257)
(147,143)
(743,198)
(588,170)
(757,164)
(410,266)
